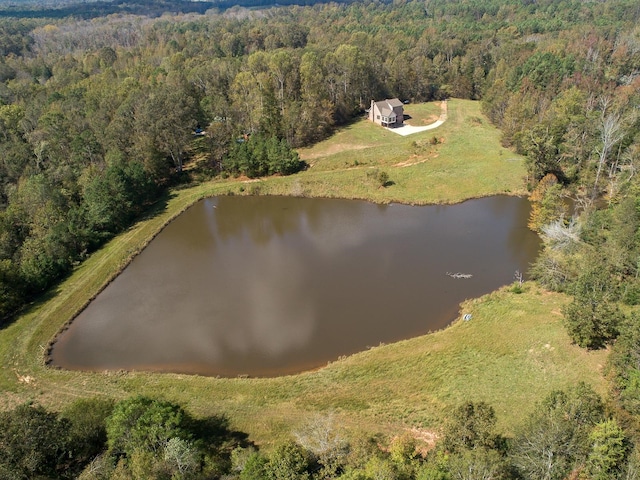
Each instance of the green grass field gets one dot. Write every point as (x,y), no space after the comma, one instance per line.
(511,354)
(467,162)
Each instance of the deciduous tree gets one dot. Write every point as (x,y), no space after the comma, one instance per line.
(555,438)
(141,423)
(609,450)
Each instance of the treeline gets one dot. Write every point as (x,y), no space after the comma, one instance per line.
(99,439)
(568,435)
(95,9)
(48,9)
(261,157)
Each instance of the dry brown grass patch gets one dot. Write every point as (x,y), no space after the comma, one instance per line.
(333,149)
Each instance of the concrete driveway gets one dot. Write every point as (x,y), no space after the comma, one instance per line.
(405,129)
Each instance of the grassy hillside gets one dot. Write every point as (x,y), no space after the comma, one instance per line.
(467,162)
(511,354)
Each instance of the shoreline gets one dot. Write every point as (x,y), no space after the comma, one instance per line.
(139,248)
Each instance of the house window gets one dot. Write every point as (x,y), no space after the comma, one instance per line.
(377,117)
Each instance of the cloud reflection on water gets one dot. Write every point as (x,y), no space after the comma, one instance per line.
(260,285)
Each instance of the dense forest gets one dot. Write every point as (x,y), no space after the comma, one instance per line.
(99,118)
(97,9)
(150,8)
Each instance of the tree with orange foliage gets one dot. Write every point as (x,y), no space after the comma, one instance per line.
(547,204)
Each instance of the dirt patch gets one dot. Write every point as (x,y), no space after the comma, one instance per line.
(427,121)
(414,160)
(426,439)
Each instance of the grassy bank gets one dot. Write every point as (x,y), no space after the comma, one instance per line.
(512,352)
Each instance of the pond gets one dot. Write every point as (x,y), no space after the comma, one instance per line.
(266,286)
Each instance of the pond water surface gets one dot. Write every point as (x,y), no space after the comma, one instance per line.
(265,286)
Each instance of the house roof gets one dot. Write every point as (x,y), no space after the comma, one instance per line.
(386,106)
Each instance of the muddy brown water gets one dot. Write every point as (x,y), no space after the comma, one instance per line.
(266,286)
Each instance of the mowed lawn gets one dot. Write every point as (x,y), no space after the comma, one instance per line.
(466,162)
(512,353)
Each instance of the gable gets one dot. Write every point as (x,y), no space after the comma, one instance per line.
(389,107)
